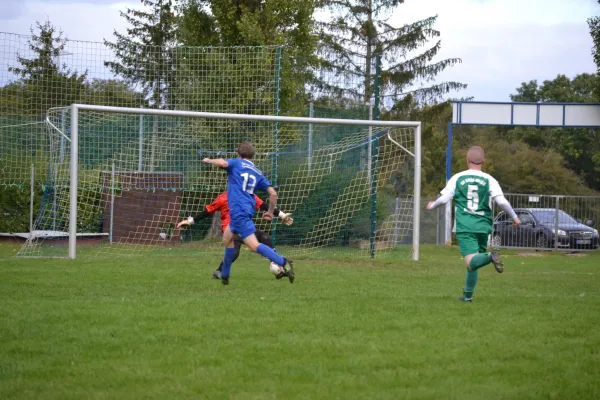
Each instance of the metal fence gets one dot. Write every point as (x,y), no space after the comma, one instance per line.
(433,224)
(548,222)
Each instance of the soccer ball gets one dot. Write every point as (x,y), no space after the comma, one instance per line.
(275,269)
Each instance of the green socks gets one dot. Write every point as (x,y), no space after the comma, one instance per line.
(479,260)
(470,283)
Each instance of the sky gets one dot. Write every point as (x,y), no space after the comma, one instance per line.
(501,42)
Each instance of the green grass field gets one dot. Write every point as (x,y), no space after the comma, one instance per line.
(157,327)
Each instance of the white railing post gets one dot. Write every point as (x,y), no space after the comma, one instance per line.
(370,144)
(417,196)
(112,202)
(396,218)
(310,135)
(448,224)
(31,200)
(141,144)
(73,183)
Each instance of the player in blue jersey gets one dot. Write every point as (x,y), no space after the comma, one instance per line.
(243,178)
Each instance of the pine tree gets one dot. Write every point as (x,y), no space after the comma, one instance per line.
(197,25)
(46,83)
(358,33)
(594,25)
(288,23)
(144,53)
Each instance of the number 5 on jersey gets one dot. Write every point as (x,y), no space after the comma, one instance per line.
(249,182)
(473,198)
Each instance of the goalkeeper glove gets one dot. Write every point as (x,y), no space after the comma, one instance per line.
(286,218)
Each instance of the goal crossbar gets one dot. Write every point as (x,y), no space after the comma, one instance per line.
(263,118)
(74,164)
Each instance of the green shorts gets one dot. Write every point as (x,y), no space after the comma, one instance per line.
(472,243)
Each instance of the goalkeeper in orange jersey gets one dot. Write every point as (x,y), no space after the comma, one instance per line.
(221,204)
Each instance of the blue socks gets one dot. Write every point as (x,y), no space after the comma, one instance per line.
(269,253)
(227,261)
(262,249)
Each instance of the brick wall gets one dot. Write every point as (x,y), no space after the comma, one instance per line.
(144,204)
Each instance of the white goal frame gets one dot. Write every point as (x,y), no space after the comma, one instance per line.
(74,162)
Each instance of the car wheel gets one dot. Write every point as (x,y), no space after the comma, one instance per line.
(496,240)
(541,242)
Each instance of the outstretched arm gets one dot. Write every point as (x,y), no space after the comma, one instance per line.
(272,202)
(446,194)
(443,199)
(191,220)
(505,205)
(217,162)
(498,196)
(286,218)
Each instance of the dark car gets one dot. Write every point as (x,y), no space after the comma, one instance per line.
(538,226)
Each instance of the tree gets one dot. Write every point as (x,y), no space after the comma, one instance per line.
(519,167)
(528,92)
(144,53)
(11,99)
(560,89)
(435,118)
(594,25)
(112,92)
(359,32)
(579,147)
(287,23)
(197,26)
(145,56)
(45,82)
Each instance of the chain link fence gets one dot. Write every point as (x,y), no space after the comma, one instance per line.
(433,223)
(548,222)
(43,72)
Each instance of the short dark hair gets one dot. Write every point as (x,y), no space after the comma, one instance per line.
(246,150)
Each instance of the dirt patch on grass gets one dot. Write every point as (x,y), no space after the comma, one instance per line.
(542,254)
(576,254)
(529,254)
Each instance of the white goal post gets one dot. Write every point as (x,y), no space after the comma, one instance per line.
(374,133)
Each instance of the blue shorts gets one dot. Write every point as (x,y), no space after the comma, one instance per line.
(242,226)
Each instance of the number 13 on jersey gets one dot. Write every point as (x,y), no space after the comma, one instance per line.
(249,182)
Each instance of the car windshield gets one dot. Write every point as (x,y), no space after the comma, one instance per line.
(547,216)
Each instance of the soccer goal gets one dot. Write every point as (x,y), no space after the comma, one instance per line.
(119,180)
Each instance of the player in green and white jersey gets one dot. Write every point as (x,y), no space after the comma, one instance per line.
(473,191)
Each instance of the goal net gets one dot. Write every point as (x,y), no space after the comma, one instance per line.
(119,180)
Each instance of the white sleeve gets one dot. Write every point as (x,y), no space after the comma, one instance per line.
(495,189)
(505,205)
(450,187)
(443,199)
(447,193)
